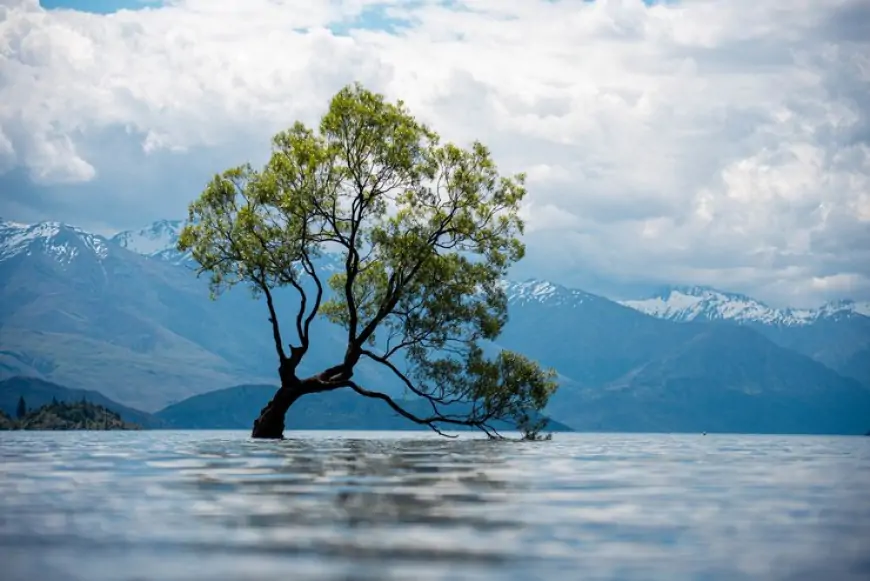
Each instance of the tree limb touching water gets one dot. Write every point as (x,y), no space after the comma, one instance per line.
(426,231)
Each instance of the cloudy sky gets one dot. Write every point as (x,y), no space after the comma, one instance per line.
(719,142)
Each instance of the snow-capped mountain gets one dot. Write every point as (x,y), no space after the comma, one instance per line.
(157,240)
(544,292)
(697,303)
(160,241)
(844,307)
(61,242)
(701,303)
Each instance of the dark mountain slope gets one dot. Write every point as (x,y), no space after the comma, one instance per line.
(38,393)
(842,343)
(726,379)
(234,408)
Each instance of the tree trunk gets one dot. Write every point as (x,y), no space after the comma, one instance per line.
(270,424)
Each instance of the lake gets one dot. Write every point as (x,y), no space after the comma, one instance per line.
(354,506)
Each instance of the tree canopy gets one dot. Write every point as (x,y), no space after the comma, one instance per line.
(426,232)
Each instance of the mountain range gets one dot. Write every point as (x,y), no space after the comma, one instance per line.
(701,303)
(836,334)
(232,408)
(127,316)
(37,393)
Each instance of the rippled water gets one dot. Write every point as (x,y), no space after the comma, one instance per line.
(215,505)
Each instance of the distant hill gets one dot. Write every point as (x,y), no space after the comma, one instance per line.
(79,310)
(230,408)
(836,334)
(623,371)
(80,415)
(37,393)
(236,408)
(843,344)
(83,311)
(6,423)
(727,379)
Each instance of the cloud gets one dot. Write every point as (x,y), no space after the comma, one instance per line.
(722,142)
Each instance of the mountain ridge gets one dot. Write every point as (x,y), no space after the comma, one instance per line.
(231,408)
(38,393)
(62,241)
(235,407)
(157,240)
(145,317)
(704,303)
(674,302)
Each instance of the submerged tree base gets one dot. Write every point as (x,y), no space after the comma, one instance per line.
(270,424)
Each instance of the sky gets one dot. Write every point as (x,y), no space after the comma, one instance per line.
(714,142)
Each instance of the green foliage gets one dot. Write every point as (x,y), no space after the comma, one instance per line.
(68,416)
(6,423)
(426,230)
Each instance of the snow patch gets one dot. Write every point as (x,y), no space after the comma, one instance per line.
(61,242)
(542,292)
(66,243)
(683,304)
(156,239)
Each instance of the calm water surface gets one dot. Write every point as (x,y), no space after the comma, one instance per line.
(329,505)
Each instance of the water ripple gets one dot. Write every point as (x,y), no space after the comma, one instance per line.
(191,505)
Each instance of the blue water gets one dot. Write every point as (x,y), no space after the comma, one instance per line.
(215,505)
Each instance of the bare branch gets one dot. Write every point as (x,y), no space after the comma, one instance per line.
(433,399)
(318,297)
(430,422)
(273,319)
(296,353)
(389,364)
(395,287)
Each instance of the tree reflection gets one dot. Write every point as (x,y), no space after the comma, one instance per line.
(361,483)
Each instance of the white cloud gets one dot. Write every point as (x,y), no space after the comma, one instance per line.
(7,153)
(721,142)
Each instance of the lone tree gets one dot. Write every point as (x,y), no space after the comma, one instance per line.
(425,233)
(21,410)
